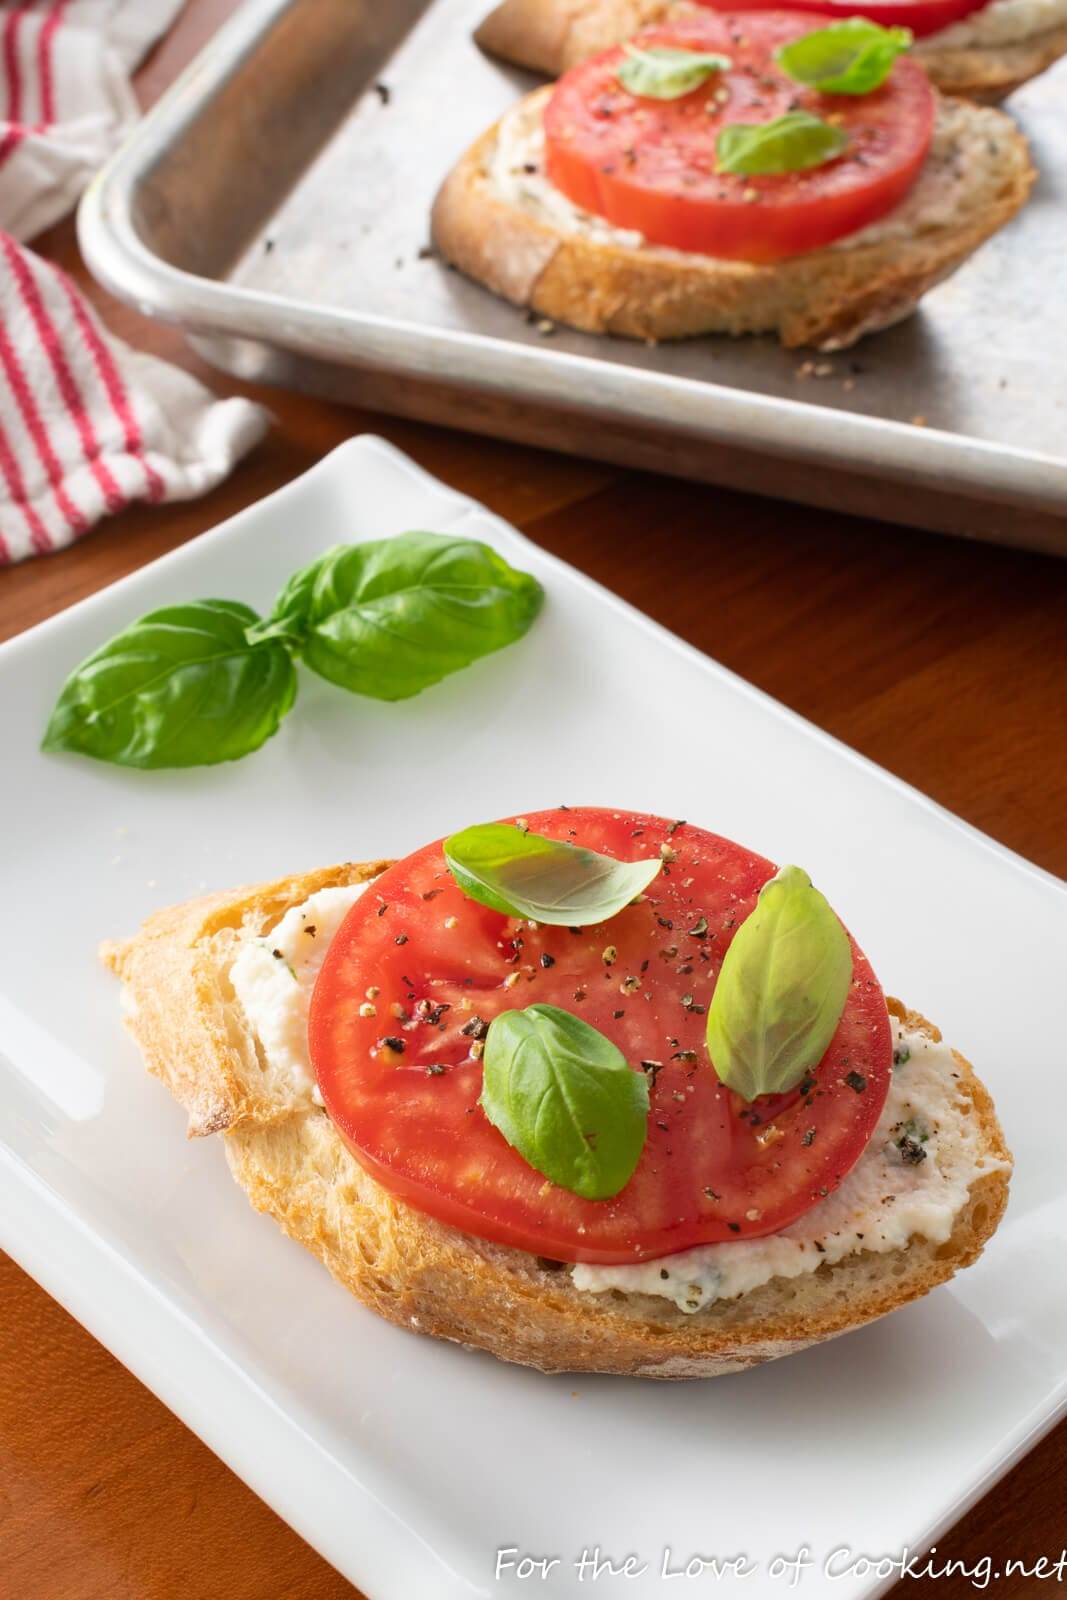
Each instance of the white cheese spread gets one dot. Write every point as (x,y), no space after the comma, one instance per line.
(892,1194)
(516,173)
(1003,22)
(273,978)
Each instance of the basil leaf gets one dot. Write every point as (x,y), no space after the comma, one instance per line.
(851,57)
(781,991)
(525,875)
(392,616)
(180,688)
(791,143)
(661,73)
(565,1098)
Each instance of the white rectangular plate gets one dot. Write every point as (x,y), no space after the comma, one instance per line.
(407,1463)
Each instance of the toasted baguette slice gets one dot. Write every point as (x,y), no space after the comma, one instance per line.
(986,75)
(421,1274)
(552,35)
(573,269)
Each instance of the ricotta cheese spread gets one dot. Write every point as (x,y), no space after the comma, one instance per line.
(516,173)
(273,978)
(1003,22)
(912,1180)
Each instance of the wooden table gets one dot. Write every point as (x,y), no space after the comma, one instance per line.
(942,660)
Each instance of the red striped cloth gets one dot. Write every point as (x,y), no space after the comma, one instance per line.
(65,97)
(87,425)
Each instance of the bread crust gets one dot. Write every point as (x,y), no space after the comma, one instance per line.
(989,76)
(177,968)
(426,1276)
(552,35)
(826,299)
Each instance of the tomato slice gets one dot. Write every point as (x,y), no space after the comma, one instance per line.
(923,17)
(433,963)
(650,165)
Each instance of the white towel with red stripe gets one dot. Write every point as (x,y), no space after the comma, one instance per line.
(87,425)
(65,97)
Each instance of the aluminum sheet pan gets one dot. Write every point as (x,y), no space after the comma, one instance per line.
(275,205)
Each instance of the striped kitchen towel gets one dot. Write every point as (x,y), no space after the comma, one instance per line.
(87,425)
(65,97)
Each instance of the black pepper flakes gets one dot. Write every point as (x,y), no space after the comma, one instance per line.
(392,1042)
(808,1138)
(856,1081)
(547,960)
(431,1014)
(401,938)
(476,1028)
(911,1151)
(734,1227)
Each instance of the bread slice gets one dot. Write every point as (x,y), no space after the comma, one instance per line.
(421,1274)
(989,76)
(552,35)
(571,268)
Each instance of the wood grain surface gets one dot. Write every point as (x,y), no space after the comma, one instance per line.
(942,660)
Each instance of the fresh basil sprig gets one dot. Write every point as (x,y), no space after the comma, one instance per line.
(661,73)
(209,681)
(781,991)
(391,617)
(850,57)
(180,688)
(565,1098)
(523,874)
(791,143)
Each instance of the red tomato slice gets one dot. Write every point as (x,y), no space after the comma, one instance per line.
(650,164)
(923,17)
(432,962)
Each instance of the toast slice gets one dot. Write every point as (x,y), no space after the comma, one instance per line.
(498,219)
(990,75)
(552,35)
(421,1274)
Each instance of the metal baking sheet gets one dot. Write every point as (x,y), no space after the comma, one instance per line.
(275,204)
